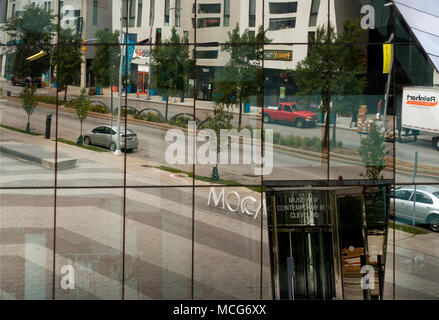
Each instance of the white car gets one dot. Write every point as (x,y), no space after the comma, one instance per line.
(427,205)
(106,136)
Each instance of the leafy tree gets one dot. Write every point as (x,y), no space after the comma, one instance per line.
(333,72)
(29,102)
(222,119)
(81,104)
(170,66)
(244,68)
(67,59)
(32,28)
(107,56)
(373,152)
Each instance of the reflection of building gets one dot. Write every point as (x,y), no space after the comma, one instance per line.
(72,17)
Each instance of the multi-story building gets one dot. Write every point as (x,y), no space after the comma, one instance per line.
(83,17)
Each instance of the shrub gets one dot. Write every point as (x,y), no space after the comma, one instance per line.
(47,99)
(180,121)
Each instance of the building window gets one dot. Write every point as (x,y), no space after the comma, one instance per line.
(177,12)
(13,10)
(209,8)
(131,10)
(226,12)
(95,13)
(211,54)
(252,13)
(208,22)
(282,23)
(3,11)
(167,12)
(48,6)
(314,11)
(139,13)
(151,12)
(283,7)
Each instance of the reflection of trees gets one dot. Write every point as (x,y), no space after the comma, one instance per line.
(332,75)
(33,28)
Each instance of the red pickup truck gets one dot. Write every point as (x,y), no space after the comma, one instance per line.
(290,112)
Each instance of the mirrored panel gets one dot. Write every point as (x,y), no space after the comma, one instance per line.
(158,255)
(88,261)
(227,256)
(26,244)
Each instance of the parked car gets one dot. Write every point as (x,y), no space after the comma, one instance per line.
(290,112)
(106,136)
(427,205)
(23,81)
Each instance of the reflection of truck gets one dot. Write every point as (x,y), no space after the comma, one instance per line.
(290,112)
(420,111)
(23,81)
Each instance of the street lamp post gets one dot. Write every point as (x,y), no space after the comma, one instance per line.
(118,152)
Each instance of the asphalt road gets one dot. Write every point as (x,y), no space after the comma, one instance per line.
(152,147)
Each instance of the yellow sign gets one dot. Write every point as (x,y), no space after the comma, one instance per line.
(387,57)
(280,55)
(37,56)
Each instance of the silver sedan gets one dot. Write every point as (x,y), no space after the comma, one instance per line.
(106,136)
(426,208)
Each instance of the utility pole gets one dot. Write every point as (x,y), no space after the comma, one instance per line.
(84,36)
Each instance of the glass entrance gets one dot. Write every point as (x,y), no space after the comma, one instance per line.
(305,263)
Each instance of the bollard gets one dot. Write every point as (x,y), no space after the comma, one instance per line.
(48,125)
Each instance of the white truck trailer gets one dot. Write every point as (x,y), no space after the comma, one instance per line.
(420,111)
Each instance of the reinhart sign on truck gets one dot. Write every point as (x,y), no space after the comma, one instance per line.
(420,109)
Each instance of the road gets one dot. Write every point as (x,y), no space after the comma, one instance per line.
(152,147)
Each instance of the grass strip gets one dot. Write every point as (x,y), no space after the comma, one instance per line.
(407,228)
(72,143)
(20,130)
(209,179)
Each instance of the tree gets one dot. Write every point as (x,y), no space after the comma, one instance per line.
(171,66)
(29,102)
(222,119)
(107,58)
(373,152)
(33,28)
(332,75)
(244,67)
(67,60)
(82,105)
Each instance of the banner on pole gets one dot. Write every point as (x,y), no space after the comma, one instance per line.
(387,57)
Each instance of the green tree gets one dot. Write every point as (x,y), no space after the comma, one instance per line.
(221,119)
(373,152)
(32,28)
(332,75)
(105,65)
(171,66)
(29,102)
(244,69)
(67,59)
(82,105)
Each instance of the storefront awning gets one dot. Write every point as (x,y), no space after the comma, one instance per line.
(422,17)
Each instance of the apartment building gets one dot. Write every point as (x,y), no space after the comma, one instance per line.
(206,24)
(84,17)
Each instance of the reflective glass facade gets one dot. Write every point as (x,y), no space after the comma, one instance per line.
(157,181)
